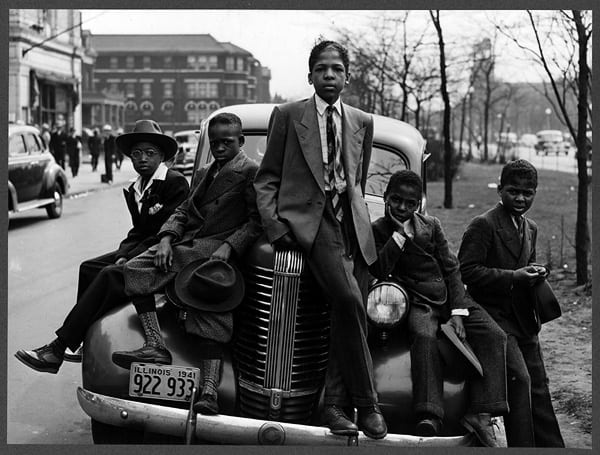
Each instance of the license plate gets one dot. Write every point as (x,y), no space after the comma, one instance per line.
(163,382)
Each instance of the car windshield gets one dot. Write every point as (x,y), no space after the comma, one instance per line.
(550,136)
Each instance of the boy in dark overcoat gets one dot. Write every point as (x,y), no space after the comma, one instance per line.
(497,257)
(412,250)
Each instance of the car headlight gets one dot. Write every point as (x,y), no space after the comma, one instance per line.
(387,304)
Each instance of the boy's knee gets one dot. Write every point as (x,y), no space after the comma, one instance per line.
(519,378)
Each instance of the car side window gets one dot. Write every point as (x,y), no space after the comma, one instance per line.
(32,144)
(383,164)
(16,146)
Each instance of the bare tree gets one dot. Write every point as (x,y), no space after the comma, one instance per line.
(570,78)
(435,17)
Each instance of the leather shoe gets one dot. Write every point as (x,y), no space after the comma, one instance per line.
(207,404)
(370,421)
(45,359)
(482,426)
(430,426)
(338,422)
(145,354)
(74,356)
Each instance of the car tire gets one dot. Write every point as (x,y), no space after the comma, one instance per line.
(103,433)
(55,209)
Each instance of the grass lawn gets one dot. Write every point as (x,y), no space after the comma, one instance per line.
(567,341)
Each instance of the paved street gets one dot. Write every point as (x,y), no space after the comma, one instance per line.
(43,261)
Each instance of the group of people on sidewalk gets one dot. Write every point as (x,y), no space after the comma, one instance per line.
(308,194)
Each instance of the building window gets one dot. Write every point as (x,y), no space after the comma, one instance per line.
(213,62)
(146,90)
(191,90)
(229,62)
(113,87)
(213,106)
(114,63)
(229,90)
(213,90)
(167,107)
(130,90)
(146,107)
(129,62)
(146,62)
(240,64)
(168,90)
(201,89)
(241,91)
(168,61)
(131,106)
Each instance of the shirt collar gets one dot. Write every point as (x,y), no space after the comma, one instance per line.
(321,105)
(159,174)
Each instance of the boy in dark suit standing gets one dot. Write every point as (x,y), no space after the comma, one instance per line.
(151,199)
(413,250)
(497,258)
(310,188)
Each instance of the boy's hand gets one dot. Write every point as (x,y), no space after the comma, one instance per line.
(163,259)
(526,276)
(459,328)
(398,225)
(286,242)
(223,252)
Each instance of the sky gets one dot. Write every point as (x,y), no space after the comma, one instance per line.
(282,39)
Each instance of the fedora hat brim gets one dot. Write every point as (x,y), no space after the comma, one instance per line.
(167,144)
(180,296)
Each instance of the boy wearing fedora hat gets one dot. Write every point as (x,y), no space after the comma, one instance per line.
(151,199)
(412,250)
(218,221)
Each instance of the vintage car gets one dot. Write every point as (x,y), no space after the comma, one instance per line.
(551,141)
(273,374)
(35,180)
(185,157)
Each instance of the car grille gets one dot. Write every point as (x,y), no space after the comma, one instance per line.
(282,341)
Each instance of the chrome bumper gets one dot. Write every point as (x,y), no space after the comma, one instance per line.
(225,429)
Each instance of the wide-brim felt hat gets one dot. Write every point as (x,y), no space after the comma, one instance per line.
(147,131)
(208,285)
(458,346)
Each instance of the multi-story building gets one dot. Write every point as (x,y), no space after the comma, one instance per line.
(176,80)
(44,68)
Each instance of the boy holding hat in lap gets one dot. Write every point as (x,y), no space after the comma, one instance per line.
(199,245)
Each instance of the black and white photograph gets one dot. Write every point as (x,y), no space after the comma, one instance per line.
(300,227)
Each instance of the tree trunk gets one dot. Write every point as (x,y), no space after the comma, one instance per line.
(582,237)
(447,114)
(462,127)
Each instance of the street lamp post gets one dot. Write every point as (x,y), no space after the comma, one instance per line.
(548,111)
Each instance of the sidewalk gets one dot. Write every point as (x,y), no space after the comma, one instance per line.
(88,181)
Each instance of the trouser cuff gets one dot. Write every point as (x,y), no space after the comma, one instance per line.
(429,408)
(498,408)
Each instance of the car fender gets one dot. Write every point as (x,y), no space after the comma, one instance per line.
(54,174)
(13,203)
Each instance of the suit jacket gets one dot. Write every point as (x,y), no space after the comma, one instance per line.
(224,211)
(290,183)
(168,193)
(489,253)
(425,266)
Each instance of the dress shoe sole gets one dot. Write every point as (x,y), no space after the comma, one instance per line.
(76,357)
(26,359)
(472,430)
(375,435)
(344,432)
(426,431)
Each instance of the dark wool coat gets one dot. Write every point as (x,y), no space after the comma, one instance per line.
(166,194)
(425,266)
(489,254)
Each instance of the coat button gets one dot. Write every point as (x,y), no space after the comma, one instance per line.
(438,279)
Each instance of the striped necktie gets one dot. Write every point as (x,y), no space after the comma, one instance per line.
(333,163)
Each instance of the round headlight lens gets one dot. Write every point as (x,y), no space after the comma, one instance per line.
(386,304)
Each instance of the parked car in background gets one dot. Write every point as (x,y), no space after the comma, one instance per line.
(187,142)
(528,140)
(551,141)
(274,369)
(34,178)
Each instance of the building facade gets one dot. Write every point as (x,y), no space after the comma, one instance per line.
(45,64)
(177,80)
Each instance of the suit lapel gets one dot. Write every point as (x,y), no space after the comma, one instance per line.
(526,243)
(131,204)
(309,138)
(422,236)
(507,232)
(352,139)
(227,177)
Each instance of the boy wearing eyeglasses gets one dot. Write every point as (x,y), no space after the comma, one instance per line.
(412,250)
(151,199)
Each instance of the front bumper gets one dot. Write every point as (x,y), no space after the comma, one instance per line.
(224,429)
